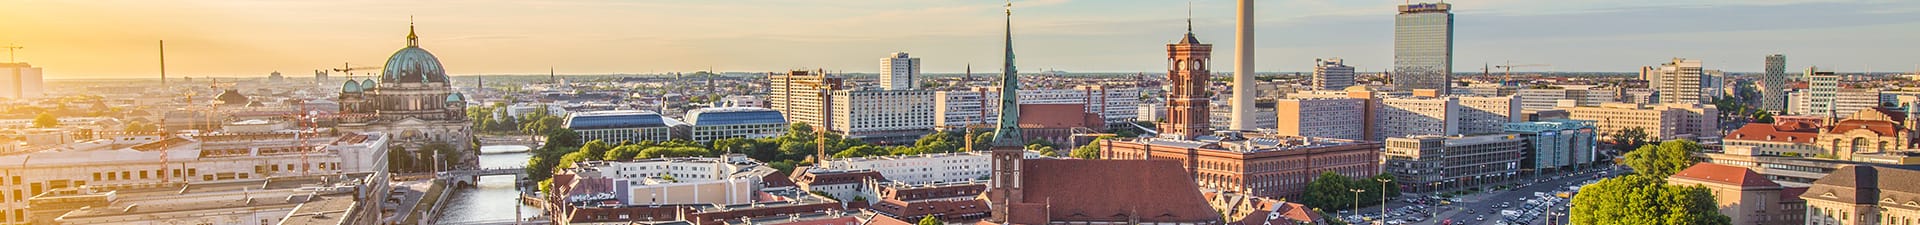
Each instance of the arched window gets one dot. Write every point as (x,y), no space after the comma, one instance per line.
(1859,145)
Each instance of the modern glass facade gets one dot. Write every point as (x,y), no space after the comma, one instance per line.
(748,122)
(1556,145)
(1423,47)
(1774,84)
(621,125)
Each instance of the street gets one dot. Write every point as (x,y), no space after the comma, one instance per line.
(1483,204)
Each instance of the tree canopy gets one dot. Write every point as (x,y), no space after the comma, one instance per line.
(930,220)
(1643,199)
(1626,139)
(46,120)
(1334,191)
(1664,159)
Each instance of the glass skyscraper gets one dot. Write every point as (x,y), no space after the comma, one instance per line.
(1774,84)
(1423,47)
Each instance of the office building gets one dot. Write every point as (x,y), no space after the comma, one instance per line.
(1555,145)
(1823,88)
(881,116)
(1115,105)
(1677,82)
(899,72)
(1863,195)
(1339,118)
(22,81)
(1331,74)
(1660,122)
(616,126)
(708,124)
(1850,100)
(160,161)
(1744,196)
(1443,115)
(1773,84)
(1429,163)
(1423,47)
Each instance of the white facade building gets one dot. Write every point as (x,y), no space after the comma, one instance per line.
(134,162)
(20,80)
(1117,106)
(882,116)
(921,169)
(899,72)
(728,180)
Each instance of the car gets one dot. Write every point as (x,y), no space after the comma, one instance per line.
(1479,218)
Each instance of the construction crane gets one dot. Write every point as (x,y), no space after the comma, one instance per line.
(348,69)
(10,49)
(1509,70)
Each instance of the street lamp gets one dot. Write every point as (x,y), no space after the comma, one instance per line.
(1383,194)
(1356,201)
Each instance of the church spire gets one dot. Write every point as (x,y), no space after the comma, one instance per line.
(1008,131)
(413,40)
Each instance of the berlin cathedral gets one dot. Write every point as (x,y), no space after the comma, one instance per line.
(413,101)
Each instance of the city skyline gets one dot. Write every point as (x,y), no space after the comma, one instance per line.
(217,38)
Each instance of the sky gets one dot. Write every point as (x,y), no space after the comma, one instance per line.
(118,38)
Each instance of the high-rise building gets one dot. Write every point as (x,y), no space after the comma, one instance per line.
(1678,82)
(802,95)
(22,81)
(1823,87)
(1773,84)
(1187,96)
(1423,47)
(1331,74)
(881,116)
(899,72)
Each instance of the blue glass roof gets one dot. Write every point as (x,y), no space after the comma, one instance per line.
(734,116)
(615,119)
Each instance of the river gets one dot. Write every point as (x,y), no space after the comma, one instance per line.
(495,199)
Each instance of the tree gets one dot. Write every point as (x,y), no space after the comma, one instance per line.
(1627,139)
(596,149)
(671,152)
(1644,199)
(1090,151)
(1763,117)
(1664,159)
(1330,190)
(930,220)
(624,152)
(399,160)
(46,120)
(141,127)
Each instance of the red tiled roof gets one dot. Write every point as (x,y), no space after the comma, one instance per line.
(886,220)
(1290,213)
(1786,131)
(1883,128)
(1724,174)
(1110,190)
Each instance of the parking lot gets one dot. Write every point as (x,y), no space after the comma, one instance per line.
(1533,202)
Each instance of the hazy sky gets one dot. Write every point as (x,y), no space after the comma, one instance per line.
(116,38)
